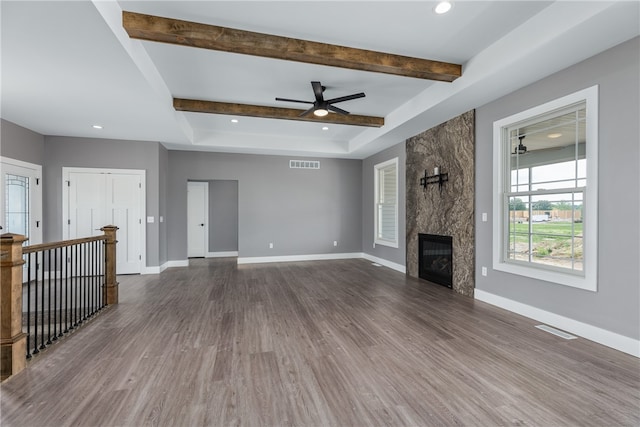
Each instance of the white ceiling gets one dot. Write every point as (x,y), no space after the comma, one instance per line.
(69,65)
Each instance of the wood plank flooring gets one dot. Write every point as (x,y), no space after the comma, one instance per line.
(325,343)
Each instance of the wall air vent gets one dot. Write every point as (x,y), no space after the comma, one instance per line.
(304,164)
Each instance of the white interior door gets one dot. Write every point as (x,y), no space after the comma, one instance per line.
(87,213)
(197,213)
(21,195)
(95,198)
(123,211)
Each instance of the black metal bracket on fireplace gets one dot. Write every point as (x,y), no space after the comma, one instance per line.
(439,179)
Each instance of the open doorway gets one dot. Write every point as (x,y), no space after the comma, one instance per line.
(212,218)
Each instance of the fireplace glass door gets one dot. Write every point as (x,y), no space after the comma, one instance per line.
(435,259)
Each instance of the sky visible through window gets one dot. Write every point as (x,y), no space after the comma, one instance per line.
(549,177)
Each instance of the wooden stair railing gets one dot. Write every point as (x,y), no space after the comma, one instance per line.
(13,340)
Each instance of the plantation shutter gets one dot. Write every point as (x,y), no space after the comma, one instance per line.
(387,197)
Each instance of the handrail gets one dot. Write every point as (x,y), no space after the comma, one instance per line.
(14,340)
(54,245)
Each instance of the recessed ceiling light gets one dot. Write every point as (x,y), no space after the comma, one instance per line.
(96,127)
(554,135)
(325,127)
(234,120)
(443,7)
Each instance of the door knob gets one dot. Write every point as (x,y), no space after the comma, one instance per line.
(201,225)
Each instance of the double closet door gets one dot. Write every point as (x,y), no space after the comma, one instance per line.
(99,197)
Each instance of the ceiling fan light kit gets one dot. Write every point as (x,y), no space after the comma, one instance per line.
(321,106)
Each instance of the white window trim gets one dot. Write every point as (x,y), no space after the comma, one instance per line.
(590,279)
(376,169)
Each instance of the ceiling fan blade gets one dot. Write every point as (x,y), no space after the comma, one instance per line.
(294,100)
(309,111)
(337,110)
(317,91)
(346,98)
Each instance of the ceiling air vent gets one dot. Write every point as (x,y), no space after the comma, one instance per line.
(304,164)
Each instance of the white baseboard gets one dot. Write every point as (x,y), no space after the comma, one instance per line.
(222,254)
(52,274)
(176,263)
(151,270)
(392,265)
(590,332)
(318,257)
(292,258)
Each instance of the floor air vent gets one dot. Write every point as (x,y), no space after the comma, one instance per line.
(556,332)
(304,164)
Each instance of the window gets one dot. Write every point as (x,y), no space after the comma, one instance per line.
(386,203)
(545,199)
(21,199)
(17,204)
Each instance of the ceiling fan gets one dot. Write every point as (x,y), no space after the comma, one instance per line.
(521,148)
(321,107)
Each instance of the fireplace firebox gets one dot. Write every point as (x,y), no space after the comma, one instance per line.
(435,259)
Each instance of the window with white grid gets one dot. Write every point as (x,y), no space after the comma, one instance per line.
(545,165)
(386,203)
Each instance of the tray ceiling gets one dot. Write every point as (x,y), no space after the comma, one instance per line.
(69,65)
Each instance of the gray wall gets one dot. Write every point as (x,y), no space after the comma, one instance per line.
(100,153)
(20,143)
(616,305)
(223,216)
(301,211)
(163,173)
(380,251)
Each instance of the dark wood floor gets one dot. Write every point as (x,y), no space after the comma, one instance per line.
(326,343)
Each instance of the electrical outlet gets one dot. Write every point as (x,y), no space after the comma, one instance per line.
(484,217)
(335,243)
(484,271)
(270,245)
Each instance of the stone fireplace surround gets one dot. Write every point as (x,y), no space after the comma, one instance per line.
(449,210)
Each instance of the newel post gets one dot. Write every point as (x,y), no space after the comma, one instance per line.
(13,345)
(111,284)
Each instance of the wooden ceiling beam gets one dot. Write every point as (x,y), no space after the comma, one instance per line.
(185,33)
(247,110)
